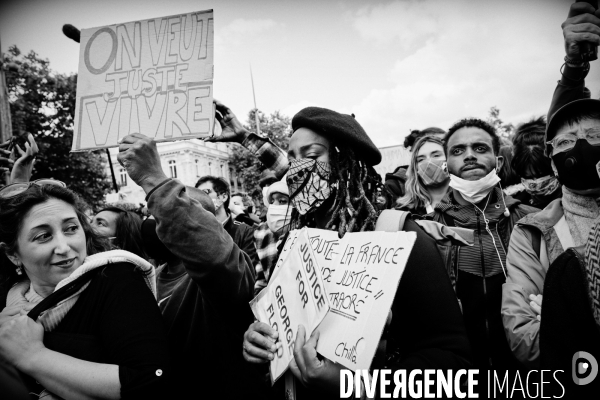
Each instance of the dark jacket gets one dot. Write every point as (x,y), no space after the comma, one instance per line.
(395,182)
(568,325)
(481,298)
(243,237)
(207,312)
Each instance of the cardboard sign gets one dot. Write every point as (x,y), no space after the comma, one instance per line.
(294,296)
(152,77)
(361,289)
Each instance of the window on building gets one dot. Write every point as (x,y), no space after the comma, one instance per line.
(123,175)
(173,168)
(197,168)
(210,171)
(231,181)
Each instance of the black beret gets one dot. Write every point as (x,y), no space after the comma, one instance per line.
(341,128)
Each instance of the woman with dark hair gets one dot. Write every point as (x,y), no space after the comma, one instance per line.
(532,166)
(79,320)
(332,186)
(122,227)
(428,177)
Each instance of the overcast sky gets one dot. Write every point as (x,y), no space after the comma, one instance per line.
(397,65)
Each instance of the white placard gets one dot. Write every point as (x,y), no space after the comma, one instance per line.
(152,76)
(294,296)
(362,287)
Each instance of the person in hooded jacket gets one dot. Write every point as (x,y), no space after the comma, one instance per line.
(573,145)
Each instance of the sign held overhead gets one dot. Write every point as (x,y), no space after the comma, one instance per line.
(153,77)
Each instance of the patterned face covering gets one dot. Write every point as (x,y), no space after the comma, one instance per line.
(308,184)
(433,172)
(541,186)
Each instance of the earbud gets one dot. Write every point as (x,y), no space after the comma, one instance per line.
(506,212)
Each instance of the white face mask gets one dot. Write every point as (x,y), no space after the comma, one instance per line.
(217,203)
(475,191)
(278,216)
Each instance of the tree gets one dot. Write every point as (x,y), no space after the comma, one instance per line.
(504,130)
(43,103)
(277,127)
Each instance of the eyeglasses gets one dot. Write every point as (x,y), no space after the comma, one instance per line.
(15,189)
(567,141)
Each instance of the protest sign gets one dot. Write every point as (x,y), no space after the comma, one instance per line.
(325,245)
(152,77)
(294,296)
(361,289)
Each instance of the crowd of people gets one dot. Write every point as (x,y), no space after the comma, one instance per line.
(155,304)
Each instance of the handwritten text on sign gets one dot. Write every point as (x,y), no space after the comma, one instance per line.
(152,77)
(361,288)
(294,296)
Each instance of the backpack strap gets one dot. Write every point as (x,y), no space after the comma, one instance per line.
(391,220)
(61,294)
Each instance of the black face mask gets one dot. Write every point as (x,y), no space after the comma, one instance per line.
(577,167)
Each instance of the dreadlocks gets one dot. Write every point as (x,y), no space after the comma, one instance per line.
(356,193)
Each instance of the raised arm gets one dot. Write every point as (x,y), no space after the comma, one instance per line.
(581,25)
(188,230)
(271,156)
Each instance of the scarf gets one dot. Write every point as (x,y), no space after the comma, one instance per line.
(23,293)
(580,213)
(592,269)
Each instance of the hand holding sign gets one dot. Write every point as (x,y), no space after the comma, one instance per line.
(139,156)
(311,370)
(259,343)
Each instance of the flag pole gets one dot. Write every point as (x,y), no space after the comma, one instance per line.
(255,108)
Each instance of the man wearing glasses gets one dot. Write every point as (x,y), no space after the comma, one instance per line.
(573,145)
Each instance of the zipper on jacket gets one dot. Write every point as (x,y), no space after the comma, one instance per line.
(487,326)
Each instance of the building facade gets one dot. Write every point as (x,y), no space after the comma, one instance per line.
(185,160)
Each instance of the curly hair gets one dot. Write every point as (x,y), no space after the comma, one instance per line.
(416,195)
(13,211)
(355,193)
(474,123)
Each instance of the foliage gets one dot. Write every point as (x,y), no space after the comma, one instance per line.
(504,130)
(277,127)
(43,103)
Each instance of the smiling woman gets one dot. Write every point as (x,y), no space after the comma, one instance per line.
(88,343)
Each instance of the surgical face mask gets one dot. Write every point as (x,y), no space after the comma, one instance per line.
(433,172)
(578,167)
(475,191)
(278,217)
(308,184)
(543,186)
(217,202)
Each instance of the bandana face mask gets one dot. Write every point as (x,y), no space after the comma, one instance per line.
(308,184)
(541,186)
(433,172)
